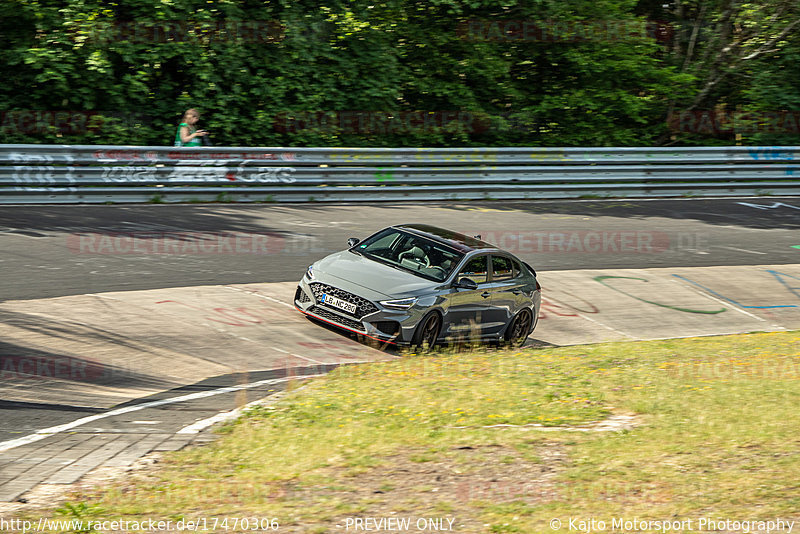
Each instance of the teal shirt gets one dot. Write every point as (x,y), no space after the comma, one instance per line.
(193,142)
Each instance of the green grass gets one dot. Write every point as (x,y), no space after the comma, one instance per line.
(453,435)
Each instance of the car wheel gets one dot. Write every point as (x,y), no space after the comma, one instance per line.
(428,331)
(517,332)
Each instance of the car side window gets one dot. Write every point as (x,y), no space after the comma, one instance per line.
(517,269)
(475,270)
(502,268)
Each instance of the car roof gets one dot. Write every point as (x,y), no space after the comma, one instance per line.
(462,243)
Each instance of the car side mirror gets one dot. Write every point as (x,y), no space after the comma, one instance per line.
(466,283)
(353,241)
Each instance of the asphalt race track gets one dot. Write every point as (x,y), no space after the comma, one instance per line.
(49,251)
(131,325)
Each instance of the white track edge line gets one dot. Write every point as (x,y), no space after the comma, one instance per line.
(46,432)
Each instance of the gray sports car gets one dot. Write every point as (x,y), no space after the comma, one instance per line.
(418,285)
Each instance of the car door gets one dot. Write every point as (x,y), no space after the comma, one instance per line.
(507,291)
(468,308)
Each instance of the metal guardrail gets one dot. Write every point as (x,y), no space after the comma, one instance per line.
(102,174)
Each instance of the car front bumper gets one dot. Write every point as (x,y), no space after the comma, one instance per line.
(377,322)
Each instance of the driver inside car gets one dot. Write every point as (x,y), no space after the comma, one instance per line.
(414,258)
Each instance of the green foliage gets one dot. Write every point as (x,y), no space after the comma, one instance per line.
(81,512)
(740,59)
(385,73)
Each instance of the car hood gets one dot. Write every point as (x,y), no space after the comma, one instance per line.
(355,273)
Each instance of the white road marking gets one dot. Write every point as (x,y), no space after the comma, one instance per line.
(595,321)
(257,294)
(740,250)
(723,302)
(18,234)
(298,356)
(199,426)
(46,432)
(768,206)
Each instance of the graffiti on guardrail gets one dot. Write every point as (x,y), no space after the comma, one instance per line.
(126,155)
(199,174)
(130,174)
(43,174)
(23,157)
(550,156)
(428,174)
(226,156)
(133,174)
(770,153)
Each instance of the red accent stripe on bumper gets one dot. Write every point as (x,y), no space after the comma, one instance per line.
(337,325)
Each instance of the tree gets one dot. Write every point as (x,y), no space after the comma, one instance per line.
(388,72)
(730,49)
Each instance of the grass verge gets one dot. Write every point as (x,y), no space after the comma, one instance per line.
(460,437)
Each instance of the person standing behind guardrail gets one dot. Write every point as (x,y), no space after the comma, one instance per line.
(188,134)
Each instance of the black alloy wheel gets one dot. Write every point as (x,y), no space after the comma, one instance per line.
(428,331)
(518,330)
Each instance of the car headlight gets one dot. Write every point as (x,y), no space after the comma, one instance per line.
(400,304)
(310,272)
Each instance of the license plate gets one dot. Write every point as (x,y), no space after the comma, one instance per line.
(339,303)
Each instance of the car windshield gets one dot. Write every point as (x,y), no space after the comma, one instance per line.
(412,253)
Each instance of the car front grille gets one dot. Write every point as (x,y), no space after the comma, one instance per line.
(325,314)
(363,306)
(300,295)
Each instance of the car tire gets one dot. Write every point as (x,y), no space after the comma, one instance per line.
(519,329)
(427,331)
